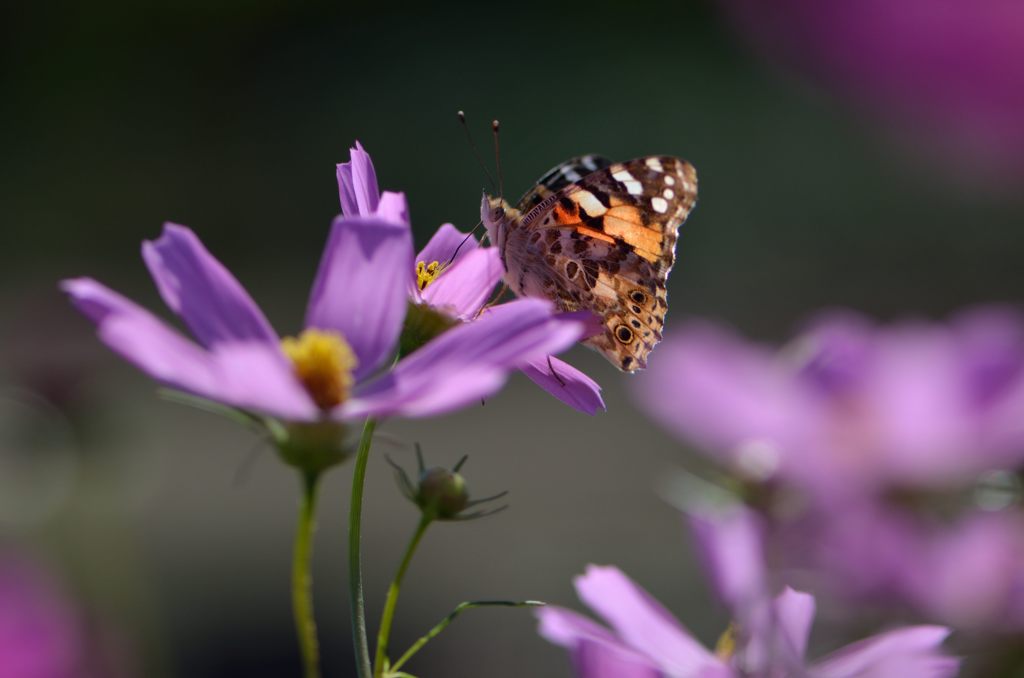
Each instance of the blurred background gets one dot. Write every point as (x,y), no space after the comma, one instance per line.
(869,161)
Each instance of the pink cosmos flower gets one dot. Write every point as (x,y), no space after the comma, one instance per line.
(878,440)
(767,640)
(456,277)
(339,366)
(849,407)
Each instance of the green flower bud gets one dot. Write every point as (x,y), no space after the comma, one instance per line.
(442,493)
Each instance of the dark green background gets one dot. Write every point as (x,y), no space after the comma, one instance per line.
(115,117)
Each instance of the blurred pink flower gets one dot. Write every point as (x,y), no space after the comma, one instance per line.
(44,635)
(949,73)
(768,638)
(887,555)
(849,407)
(880,433)
(39,634)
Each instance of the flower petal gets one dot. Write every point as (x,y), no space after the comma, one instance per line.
(468,362)
(202,291)
(393,207)
(596,653)
(568,384)
(793,616)
(641,622)
(911,651)
(443,244)
(733,398)
(463,288)
(250,375)
(729,543)
(357,184)
(361,287)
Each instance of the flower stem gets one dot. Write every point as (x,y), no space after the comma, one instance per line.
(302,578)
(459,609)
(355,562)
(392,600)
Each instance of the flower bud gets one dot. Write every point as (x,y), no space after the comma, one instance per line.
(442,493)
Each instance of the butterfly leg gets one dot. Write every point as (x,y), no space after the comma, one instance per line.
(494,300)
(555,374)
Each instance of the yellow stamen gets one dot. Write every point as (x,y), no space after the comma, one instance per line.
(425,273)
(323,363)
(725,648)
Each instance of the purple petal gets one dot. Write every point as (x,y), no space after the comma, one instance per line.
(735,399)
(202,291)
(600,660)
(393,207)
(444,243)
(793,616)
(568,384)
(357,184)
(911,651)
(641,622)
(362,286)
(595,652)
(835,351)
(468,362)
(250,375)
(463,288)
(729,544)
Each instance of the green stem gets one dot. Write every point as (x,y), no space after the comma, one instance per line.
(302,579)
(459,609)
(392,600)
(355,562)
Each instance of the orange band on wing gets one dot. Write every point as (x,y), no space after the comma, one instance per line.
(583,230)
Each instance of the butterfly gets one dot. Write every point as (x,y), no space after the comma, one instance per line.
(599,236)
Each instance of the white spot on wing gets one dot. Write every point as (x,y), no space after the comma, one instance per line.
(590,204)
(623,175)
(654,164)
(668,193)
(570,174)
(660,205)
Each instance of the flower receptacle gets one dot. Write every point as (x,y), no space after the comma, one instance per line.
(312,447)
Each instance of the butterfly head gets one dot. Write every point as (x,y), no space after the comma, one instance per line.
(496,213)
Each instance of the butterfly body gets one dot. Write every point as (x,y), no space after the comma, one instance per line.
(599,236)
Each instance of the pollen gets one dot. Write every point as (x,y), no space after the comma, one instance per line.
(323,362)
(726,646)
(425,273)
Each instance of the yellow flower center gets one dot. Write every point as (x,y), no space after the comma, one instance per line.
(323,363)
(725,648)
(425,273)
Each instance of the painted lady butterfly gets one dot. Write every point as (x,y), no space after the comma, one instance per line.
(598,236)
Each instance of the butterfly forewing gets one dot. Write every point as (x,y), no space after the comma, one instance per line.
(605,243)
(560,176)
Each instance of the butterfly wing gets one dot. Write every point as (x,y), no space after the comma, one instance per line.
(560,176)
(606,243)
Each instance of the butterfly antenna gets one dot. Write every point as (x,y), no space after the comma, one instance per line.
(468,236)
(472,146)
(495,127)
